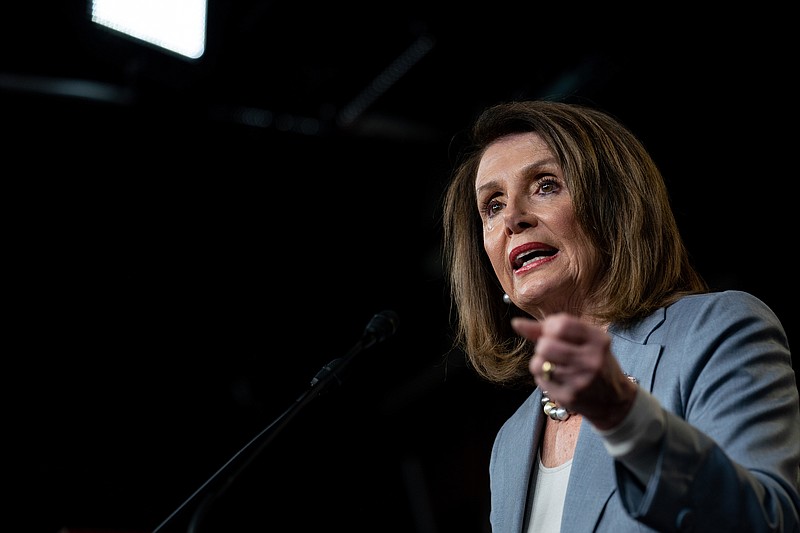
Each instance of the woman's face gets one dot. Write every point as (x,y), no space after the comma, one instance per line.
(540,255)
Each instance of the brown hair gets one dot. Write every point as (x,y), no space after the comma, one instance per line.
(621,202)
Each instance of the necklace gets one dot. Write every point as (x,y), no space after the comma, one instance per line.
(552,409)
(555,412)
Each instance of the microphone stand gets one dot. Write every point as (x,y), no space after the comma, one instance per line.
(328,375)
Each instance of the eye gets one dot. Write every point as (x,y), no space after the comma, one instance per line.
(491,207)
(548,185)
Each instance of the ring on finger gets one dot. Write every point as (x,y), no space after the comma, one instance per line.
(547,370)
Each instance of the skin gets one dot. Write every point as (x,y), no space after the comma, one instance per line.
(525,205)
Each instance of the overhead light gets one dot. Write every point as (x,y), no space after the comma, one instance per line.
(178,26)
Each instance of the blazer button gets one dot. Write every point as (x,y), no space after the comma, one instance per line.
(685,521)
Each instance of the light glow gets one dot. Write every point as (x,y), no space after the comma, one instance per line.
(175,25)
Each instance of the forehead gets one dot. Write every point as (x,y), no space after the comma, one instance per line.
(511,153)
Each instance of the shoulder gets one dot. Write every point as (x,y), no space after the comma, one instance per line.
(733,315)
(719,298)
(707,315)
(721,305)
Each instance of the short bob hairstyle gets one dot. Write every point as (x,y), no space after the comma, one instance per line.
(621,202)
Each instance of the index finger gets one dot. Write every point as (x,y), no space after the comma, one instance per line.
(566,327)
(527,327)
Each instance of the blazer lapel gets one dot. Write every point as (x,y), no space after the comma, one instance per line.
(637,358)
(527,438)
(591,483)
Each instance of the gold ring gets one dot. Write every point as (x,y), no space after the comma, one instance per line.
(547,370)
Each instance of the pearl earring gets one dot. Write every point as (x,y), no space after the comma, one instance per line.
(506,298)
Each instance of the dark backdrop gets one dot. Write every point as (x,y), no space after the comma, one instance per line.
(184,253)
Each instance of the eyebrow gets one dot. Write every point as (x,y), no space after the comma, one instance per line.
(526,171)
(489,185)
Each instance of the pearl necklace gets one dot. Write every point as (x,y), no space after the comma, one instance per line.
(555,412)
(552,409)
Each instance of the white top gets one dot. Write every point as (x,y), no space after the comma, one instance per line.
(548,497)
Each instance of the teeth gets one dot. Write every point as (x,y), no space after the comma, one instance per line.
(528,257)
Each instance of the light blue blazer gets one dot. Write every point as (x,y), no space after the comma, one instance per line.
(720,366)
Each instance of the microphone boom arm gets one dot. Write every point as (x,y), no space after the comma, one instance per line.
(381,326)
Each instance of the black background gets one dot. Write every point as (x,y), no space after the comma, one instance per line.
(189,243)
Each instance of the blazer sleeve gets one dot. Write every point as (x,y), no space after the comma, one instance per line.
(730,457)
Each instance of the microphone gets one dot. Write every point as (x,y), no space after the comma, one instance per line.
(380,327)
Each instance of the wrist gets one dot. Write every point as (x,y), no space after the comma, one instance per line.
(618,410)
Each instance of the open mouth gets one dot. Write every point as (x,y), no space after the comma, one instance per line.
(529,256)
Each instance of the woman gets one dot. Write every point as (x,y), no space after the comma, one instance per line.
(658,404)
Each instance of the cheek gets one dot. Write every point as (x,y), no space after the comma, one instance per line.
(582,251)
(494,245)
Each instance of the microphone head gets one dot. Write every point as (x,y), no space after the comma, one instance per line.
(382,326)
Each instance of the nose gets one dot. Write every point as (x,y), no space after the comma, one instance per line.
(517,217)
